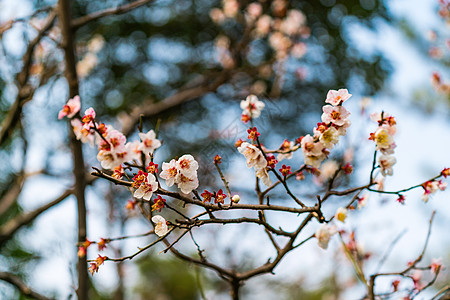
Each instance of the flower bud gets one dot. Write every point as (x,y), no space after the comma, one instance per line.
(236,198)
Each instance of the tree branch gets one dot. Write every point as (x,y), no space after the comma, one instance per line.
(148,108)
(10,227)
(21,286)
(24,91)
(76,23)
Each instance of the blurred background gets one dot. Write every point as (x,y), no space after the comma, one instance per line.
(189,64)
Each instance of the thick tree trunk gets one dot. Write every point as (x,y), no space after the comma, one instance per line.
(77,152)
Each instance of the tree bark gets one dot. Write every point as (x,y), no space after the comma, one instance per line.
(77,152)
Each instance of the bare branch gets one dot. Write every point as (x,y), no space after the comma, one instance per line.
(21,286)
(142,249)
(76,23)
(149,109)
(9,228)
(11,195)
(411,266)
(25,92)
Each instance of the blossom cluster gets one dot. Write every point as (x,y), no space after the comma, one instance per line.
(383,138)
(182,172)
(114,150)
(334,124)
(283,28)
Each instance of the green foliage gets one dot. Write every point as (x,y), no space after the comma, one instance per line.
(166,277)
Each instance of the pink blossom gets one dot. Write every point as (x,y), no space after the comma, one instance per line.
(85,136)
(71,108)
(88,119)
(254,10)
(337,97)
(334,114)
(436,264)
(134,152)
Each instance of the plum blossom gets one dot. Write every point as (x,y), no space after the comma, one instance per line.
(286,146)
(252,107)
(337,97)
(263,25)
(112,150)
(436,264)
(254,10)
(329,137)
(254,156)
(149,142)
(341,214)
(335,114)
(134,152)
(334,124)
(384,141)
(219,197)
(88,119)
(161,227)
(147,188)
(262,174)
(169,172)
(328,169)
(186,184)
(85,136)
(183,172)
(362,202)
(429,187)
(386,162)
(310,147)
(187,165)
(324,234)
(70,108)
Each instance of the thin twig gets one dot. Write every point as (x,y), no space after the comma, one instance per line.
(108,12)
(21,286)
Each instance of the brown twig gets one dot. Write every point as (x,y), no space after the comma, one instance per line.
(21,286)
(371,285)
(76,23)
(25,91)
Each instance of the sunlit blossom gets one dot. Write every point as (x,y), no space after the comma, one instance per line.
(335,114)
(337,97)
